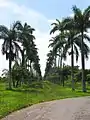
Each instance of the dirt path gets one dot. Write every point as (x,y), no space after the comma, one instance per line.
(68,109)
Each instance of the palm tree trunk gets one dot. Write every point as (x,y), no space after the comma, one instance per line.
(59,59)
(55,62)
(72,66)
(22,79)
(22,58)
(59,67)
(27,63)
(10,62)
(10,79)
(83,66)
(61,62)
(61,71)
(30,66)
(63,76)
(31,71)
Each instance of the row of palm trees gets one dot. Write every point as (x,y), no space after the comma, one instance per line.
(71,39)
(18,41)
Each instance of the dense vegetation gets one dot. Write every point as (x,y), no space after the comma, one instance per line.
(70,40)
(19,47)
(26,95)
(22,84)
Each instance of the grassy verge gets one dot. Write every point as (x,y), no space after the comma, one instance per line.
(11,100)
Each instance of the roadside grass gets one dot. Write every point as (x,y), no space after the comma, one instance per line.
(12,100)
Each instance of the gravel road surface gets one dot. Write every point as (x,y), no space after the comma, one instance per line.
(67,109)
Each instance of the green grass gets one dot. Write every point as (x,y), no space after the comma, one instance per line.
(11,100)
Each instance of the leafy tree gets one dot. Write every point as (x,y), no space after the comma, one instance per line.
(10,46)
(82,23)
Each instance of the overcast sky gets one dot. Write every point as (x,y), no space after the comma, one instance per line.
(39,14)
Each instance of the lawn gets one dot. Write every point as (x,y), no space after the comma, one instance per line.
(11,100)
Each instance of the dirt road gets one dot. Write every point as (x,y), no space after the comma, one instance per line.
(68,109)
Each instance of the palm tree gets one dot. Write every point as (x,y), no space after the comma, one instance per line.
(53,41)
(25,37)
(49,63)
(32,55)
(59,41)
(82,23)
(10,46)
(73,43)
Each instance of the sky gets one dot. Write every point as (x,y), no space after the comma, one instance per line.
(39,14)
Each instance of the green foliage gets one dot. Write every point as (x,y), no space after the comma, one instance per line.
(55,74)
(70,39)
(26,95)
(88,78)
(25,74)
(20,35)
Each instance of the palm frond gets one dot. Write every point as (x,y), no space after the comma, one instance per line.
(58,21)
(68,23)
(17,47)
(77,11)
(86,13)
(55,28)
(86,37)
(86,50)
(15,25)
(3,29)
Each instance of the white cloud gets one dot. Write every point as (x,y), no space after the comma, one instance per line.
(72,15)
(51,21)
(42,42)
(14,12)
(3,62)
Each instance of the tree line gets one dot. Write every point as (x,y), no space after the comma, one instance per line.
(70,40)
(20,50)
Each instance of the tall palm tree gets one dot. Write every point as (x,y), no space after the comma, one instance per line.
(32,55)
(10,46)
(49,63)
(60,41)
(57,43)
(82,23)
(74,43)
(53,41)
(25,37)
